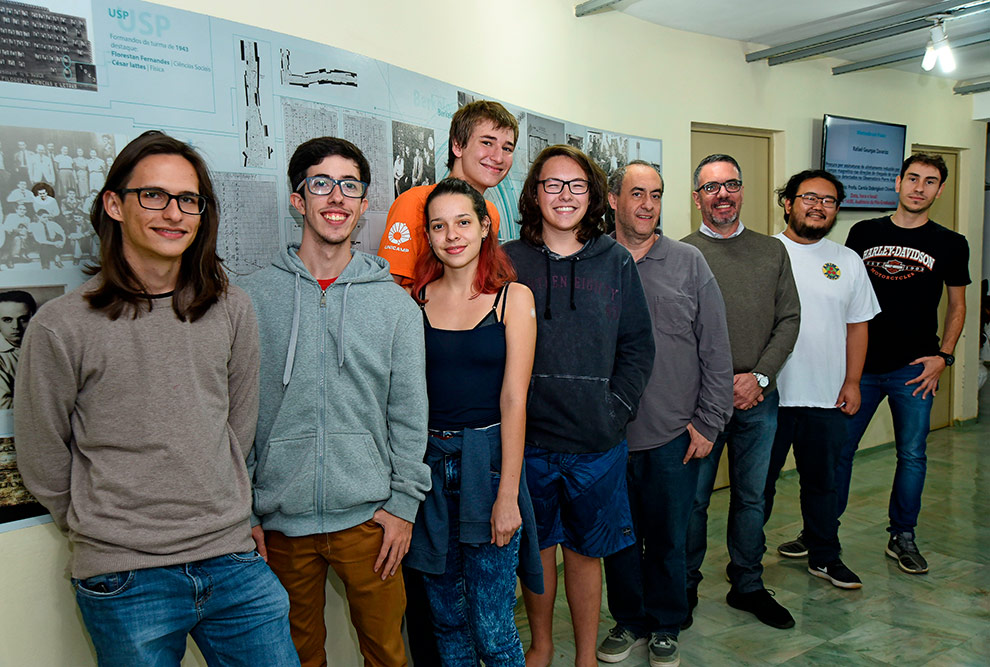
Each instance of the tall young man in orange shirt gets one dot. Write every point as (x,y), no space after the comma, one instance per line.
(483,136)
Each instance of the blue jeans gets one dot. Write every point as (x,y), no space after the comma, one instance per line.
(473,600)
(750,437)
(233,606)
(647,582)
(912,421)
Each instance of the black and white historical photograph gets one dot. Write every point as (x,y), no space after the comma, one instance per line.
(48,181)
(48,43)
(609,151)
(17,306)
(413,156)
(542,132)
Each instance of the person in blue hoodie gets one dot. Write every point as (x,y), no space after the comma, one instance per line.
(339,472)
(594,355)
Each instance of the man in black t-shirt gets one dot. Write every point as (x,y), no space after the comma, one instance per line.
(908,258)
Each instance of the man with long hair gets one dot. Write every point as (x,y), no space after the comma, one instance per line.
(342,421)
(135,411)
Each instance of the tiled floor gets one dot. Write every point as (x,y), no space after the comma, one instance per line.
(940,618)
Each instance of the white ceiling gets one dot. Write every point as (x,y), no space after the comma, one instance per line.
(776,22)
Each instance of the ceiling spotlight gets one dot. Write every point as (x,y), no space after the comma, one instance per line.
(928,62)
(938,49)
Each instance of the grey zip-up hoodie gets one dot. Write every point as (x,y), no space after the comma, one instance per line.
(343,409)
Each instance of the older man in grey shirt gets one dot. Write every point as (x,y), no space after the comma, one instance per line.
(686,404)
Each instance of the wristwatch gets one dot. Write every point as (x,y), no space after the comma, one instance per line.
(764,381)
(948,358)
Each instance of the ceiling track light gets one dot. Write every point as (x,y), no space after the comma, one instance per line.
(938,49)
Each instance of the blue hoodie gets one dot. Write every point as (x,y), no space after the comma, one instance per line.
(343,409)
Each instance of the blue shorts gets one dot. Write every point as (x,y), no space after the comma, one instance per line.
(581,500)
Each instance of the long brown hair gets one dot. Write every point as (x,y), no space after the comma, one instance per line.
(530,216)
(201,280)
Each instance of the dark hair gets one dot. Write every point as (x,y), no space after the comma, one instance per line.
(931,160)
(313,152)
(789,191)
(494,266)
(715,157)
(617,176)
(530,216)
(38,187)
(201,279)
(20,296)
(467,118)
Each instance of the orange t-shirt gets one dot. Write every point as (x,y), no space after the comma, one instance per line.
(404,238)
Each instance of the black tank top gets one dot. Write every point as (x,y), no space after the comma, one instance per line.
(464,371)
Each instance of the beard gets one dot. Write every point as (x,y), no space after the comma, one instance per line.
(810,232)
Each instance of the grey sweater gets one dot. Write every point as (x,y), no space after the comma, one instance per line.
(761,300)
(133,433)
(692,371)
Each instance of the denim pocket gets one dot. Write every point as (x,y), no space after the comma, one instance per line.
(104,585)
(246,557)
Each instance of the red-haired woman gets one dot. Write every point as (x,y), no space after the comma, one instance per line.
(480,334)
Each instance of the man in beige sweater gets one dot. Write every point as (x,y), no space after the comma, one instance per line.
(135,409)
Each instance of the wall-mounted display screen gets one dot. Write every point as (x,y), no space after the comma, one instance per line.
(866,156)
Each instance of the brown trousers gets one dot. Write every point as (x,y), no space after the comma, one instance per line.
(376,606)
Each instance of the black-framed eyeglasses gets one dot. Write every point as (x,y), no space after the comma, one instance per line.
(156,199)
(713,187)
(811,199)
(324,185)
(554,186)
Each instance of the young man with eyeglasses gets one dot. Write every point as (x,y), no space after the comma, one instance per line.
(343,414)
(135,410)
(763,315)
(482,142)
(819,382)
(909,257)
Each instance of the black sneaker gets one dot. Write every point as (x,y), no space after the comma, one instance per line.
(901,547)
(793,549)
(762,605)
(692,599)
(838,574)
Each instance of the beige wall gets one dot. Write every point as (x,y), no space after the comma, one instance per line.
(607,71)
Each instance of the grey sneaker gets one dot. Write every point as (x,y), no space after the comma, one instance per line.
(618,645)
(663,651)
(793,549)
(901,547)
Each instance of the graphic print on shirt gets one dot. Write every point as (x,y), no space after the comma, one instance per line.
(894,262)
(831,271)
(398,234)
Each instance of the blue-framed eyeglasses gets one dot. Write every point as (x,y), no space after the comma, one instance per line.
(324,185)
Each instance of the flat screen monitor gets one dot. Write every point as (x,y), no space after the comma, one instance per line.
(866,156)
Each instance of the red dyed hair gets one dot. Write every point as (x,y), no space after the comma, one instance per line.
(494,266)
